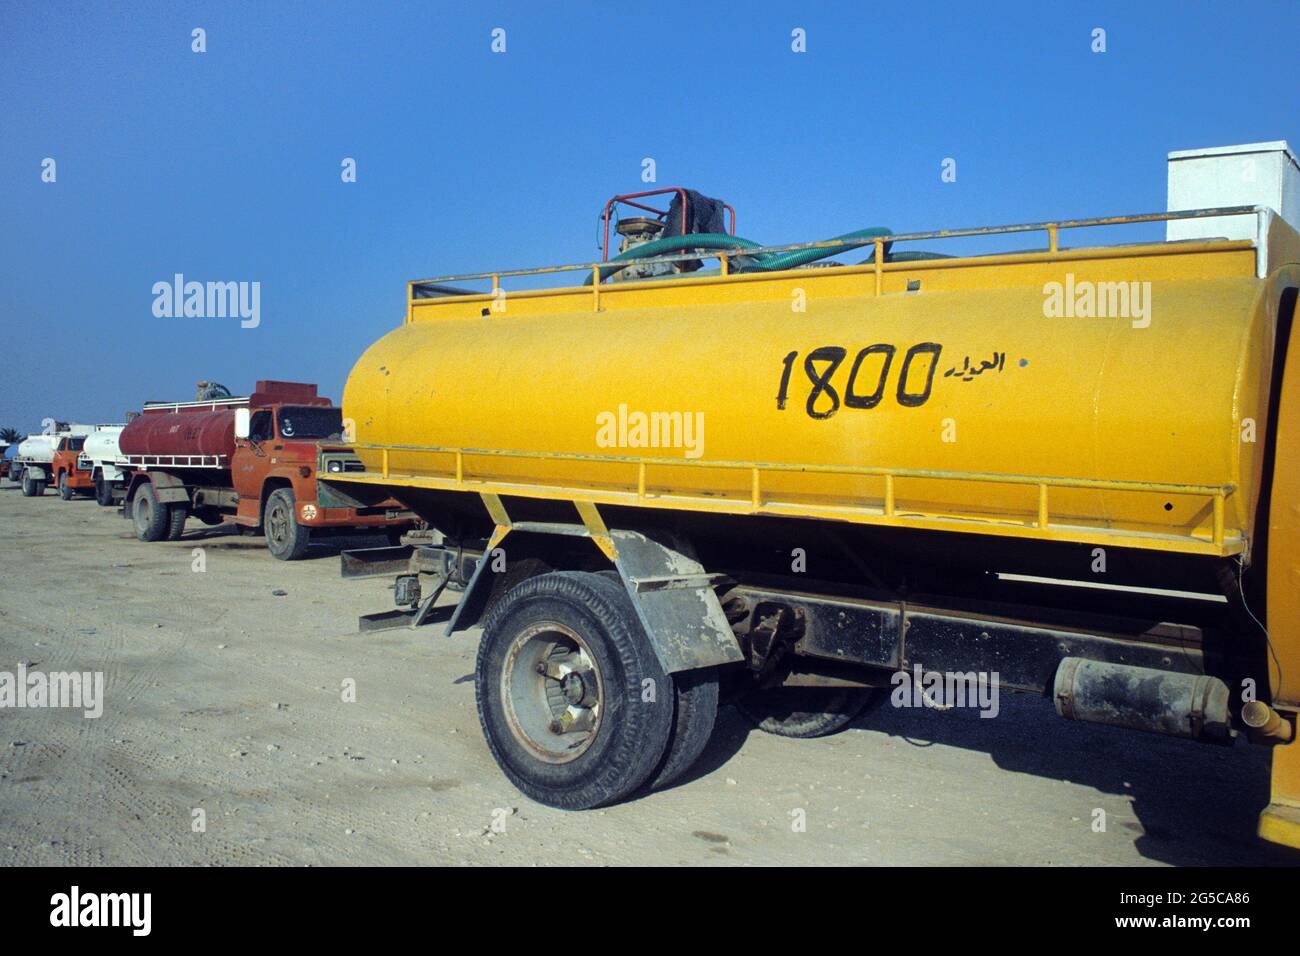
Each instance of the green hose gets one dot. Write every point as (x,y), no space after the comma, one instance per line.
(767,262)
(671,244)
(775,262)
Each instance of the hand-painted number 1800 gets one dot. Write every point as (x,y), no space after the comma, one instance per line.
(872,364)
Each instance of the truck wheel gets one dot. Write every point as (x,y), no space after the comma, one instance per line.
(176,515)
(803,711)
(561,681)
(286,539)
(695,709)
(103,492)
(149,513)
(65,492)
(32,487)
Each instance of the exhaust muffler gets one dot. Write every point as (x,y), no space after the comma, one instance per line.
(1141,698)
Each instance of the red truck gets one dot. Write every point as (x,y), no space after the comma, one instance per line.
(250,461)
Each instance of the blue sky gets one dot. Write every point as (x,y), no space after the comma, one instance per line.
(225,165)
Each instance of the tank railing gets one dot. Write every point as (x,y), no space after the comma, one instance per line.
(1216,494)
(1051,229)
(174,461)
(211,404)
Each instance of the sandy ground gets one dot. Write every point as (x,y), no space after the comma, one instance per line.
(224,695)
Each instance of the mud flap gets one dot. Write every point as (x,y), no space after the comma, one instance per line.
(169,489)
(676,602)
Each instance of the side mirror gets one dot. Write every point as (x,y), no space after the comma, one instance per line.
(242,416)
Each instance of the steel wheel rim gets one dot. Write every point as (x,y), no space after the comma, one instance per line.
(277,524)
(552,692)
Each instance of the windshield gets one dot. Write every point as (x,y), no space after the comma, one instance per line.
(74,444)
(311,422)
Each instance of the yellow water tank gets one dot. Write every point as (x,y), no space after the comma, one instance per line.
(1098,394)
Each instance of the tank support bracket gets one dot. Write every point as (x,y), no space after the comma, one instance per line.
(673,595)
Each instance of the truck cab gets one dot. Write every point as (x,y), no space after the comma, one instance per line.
(251,462)
(66,468)
(279,451)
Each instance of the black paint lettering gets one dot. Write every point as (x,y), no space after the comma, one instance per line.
(851,398)
(821,381)
(783,392)
(913,399)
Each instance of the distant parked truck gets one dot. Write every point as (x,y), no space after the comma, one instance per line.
(249,461)
(34,467)
(72,470)
(101,458)
(4,462)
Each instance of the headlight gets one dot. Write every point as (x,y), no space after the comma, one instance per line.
(335,466)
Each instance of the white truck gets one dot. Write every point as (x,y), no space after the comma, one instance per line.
(102,459)
(33,466)
(33,461)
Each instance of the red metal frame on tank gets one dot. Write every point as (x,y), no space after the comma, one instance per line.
(629,199)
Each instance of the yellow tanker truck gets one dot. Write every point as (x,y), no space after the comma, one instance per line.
(1070,470)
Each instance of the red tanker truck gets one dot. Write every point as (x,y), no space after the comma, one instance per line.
(251,461)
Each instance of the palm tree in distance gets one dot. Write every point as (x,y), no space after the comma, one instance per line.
(10,435)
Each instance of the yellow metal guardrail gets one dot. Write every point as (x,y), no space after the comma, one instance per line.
(1218,542)
(879,266)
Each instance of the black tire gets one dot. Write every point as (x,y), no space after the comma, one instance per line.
(695,710)
(803,712)
(32,487)
(149,514)
(515,574)
(286,539)
(176,515)
(581,626)
(65,490)
(103,492)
